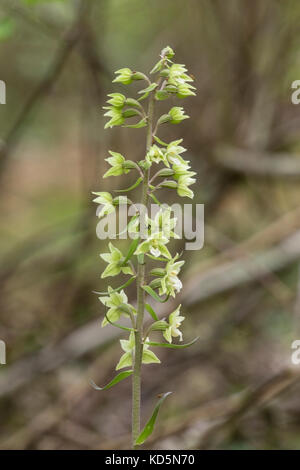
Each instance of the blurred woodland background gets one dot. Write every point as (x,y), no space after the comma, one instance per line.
(236,388)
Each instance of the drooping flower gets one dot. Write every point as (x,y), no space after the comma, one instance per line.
(117,163)
(118,305)
(184,182)
(173,152)
(156,155)
(117,100)
(170,283)
(177,75)
(106,199)
(116,115)
(178,81)
(184,90)
(163,223)
(124,76)
(115,260)
(176,115)
(128,347)
(174,320)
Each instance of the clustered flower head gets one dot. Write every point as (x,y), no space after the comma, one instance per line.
(151,235)
(173,80)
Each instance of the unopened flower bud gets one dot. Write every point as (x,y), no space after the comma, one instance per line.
(166,172)
(125,76)
(117,100)
(167,52)
(160,272)
(155,283)
(129,165)
(169,184)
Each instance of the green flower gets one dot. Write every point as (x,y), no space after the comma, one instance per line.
(176,115)
(173,152)
(184,90)
(116,115)
(177,75)
(118,304)
(174,321)
(156,154)
(167,52)
(128,347)
(163,223)
(115,261)
(178,81)
(117,100)
(107,200)
(117,162)
(170,283)
(124,76)
(155,244)
(184,182)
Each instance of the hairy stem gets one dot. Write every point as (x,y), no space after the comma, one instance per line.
(136,376)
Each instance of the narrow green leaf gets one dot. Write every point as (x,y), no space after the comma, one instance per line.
(147,91)
(135,185)
(126,284)
(148,429)
(173,346)
(154,294)
(121,376)
(131,250)
(127,226)
(160,141)
(151,311)
(155,199)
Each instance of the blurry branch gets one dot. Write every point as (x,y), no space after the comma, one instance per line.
(16,10)
(249,401)
(53,414)
(233,274)
(198,288)
(43,87)
(65,48)
(75,345)
(256,163)
(23,250)
(210,424)
(91,58)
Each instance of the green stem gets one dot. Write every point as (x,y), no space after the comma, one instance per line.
(136,376)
